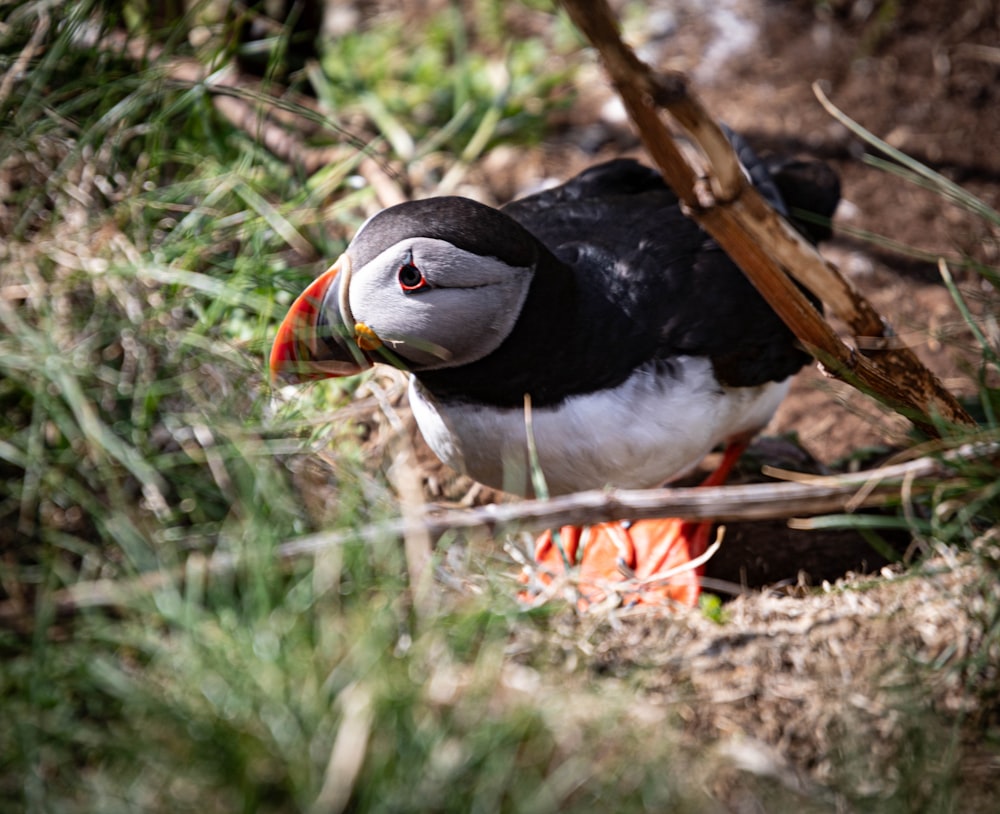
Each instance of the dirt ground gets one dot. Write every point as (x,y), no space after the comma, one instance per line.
(794,668)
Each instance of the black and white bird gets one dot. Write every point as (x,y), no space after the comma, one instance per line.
(640,343)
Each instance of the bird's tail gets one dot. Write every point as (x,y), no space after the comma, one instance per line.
(810,190)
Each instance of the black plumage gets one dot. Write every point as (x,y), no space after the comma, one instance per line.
(623,279)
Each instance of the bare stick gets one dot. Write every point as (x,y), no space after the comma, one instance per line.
(761,501)
(759,240)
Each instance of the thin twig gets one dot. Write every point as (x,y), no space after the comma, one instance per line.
(761,501)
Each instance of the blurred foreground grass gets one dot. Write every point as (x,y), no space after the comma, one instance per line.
(148,248)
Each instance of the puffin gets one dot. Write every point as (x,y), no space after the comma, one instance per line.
(591,333)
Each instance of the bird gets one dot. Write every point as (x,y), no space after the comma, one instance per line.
(595,314)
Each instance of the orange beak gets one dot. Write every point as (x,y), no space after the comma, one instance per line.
(313,340)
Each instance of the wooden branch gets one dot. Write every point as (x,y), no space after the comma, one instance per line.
(760,501)
(759,240)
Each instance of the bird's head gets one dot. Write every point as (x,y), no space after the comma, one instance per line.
(424,285)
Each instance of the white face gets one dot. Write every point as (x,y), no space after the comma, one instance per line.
(436,305)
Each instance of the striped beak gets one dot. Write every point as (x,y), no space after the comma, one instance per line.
(314,341)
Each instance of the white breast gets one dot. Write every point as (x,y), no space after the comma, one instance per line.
(654,427)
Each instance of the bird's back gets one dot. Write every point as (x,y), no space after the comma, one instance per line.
(623,231)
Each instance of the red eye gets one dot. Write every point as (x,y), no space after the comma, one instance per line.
(410,277)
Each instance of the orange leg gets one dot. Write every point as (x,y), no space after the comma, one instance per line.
(634,554)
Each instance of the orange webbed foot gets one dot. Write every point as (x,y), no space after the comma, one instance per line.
(644,561)
(651,561)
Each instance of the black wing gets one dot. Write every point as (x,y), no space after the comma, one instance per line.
(628,280)
(621,228)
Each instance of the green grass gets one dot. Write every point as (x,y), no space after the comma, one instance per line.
(148,249)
